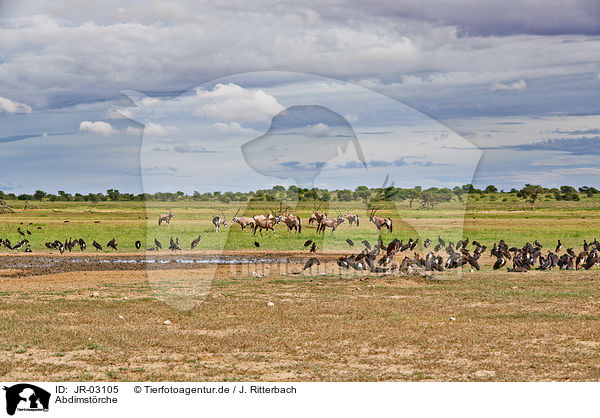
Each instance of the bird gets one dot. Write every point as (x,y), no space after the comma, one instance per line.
(112,244)
(157,243)
(174,245)
(537,244)
(28,232)
(97,246)
(350,243)
(195,241)
(138,245)
(308,242)
(441,241)
(20,232)
(558,246)
(39,228)
(82,245)
(366,244)
(311,262)
(256,244)
(313,249)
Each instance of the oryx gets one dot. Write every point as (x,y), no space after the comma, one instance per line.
(332,223)
(218,222)
(244,221)
(379,222)
(351,218)
(265,222)
(166,217)
(316,216)
(292,221)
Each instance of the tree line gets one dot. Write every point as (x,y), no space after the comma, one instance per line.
(417,196)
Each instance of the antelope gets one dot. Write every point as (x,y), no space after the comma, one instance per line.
(166,218)
(265,222)
(316,216)
(244,221)
(218,222)
(379,222)
(293,222)
(332,223)
(352,218)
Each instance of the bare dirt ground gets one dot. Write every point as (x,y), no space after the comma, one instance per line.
(258,323)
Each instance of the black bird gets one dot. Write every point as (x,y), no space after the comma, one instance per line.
(82,245)
(96,245)
(196,241)
(313,249)
(39,228)
(437,247)
(28,233)
(441,241)
(138,245)
(475,243)
(558,246)
(174,245)
(311,262)
(20,232)
(18,246)
(256,244)
(112,244)
(586,246)
(537,244)
(308,242)
(366,244)
(499,263)
(571,252)
(350,243)
(157,243)
(426,243)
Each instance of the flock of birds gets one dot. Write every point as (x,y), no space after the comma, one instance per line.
(528,257)
(379,257)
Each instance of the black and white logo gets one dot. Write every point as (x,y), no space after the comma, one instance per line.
(26,397)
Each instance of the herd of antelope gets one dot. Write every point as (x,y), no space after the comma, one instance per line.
(267,222)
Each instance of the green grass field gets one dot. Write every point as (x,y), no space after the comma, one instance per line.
(485,219)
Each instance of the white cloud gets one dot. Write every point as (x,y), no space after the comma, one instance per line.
(11,106)
(233,128)
(515,86)
(154,129)
(234,103)
(317,130)
(99,127)
(134,131)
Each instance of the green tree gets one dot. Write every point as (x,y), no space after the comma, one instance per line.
(530,193)
(39,195)
(491,189)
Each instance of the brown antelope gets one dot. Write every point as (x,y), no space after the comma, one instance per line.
(379,222)
(218,222)
(244,221)
(351,218)
(166,218)
(265,222)
(292,221)
(316,216)
(332,223)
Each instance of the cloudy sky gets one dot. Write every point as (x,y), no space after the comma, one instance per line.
(228,95)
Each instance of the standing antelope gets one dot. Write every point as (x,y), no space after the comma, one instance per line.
(352,218)
(244,221)
(218,221)
(332,223)
(379,222)
(166,217)
(293,222)
(316,216)
(265,222)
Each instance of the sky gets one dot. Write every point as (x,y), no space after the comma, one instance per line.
(164,96)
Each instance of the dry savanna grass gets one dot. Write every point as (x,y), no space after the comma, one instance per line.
(109,325)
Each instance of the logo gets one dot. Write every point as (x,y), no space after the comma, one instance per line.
(26,397)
